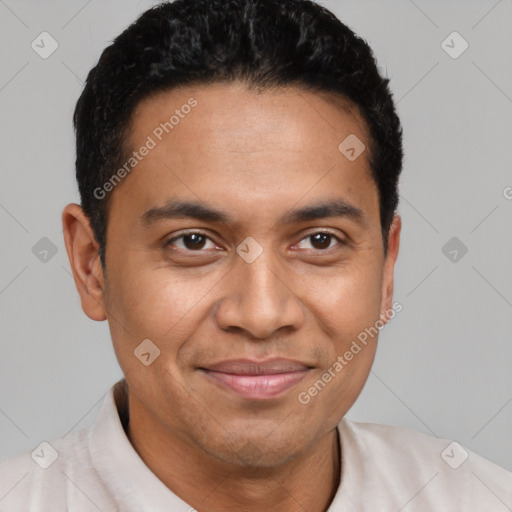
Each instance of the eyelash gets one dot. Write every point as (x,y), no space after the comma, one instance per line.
(183,235)
(340,242)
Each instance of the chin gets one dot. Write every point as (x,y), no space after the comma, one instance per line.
(252,450)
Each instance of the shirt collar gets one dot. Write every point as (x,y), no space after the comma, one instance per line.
(133,485)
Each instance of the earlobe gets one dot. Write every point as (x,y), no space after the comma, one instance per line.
(82,249)
(389,266)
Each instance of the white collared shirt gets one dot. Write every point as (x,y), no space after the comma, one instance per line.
(384,469)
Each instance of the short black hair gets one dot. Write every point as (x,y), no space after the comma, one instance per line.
(262,43)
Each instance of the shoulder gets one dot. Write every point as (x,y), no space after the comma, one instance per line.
(52,476)
(407,458)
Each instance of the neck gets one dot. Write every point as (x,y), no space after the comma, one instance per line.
(308,482)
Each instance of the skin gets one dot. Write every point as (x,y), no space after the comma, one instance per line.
(255,156)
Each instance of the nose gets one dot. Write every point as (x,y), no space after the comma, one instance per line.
(259,300)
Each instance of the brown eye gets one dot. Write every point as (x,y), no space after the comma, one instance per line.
(194,241)
(191,242)
(320,241)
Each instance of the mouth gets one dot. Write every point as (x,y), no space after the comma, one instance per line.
(256,380)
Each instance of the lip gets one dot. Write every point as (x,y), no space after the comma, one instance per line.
(257,380)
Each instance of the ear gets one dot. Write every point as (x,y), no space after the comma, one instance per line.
(82,249)
(389,267)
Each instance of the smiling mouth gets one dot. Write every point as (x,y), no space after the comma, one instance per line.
(257,380)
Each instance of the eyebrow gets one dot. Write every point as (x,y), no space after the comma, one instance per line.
(328,209)
(177,209)
(183,209)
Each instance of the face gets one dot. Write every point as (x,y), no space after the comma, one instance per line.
(248,249)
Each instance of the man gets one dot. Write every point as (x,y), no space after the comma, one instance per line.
(238,164)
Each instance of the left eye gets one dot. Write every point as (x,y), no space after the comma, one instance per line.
(192,242)
(321,241)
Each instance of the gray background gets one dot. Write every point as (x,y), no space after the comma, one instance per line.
(443,364)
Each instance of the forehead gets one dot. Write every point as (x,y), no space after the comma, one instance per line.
(290,117)
(237,144)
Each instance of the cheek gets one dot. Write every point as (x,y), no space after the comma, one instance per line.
(347,301)
(155,304)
